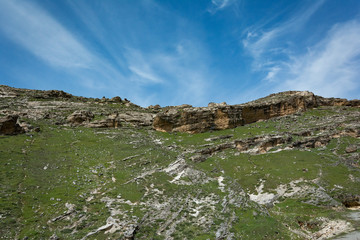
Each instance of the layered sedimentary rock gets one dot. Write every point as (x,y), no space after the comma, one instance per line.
(64,108)
(114,120)
(222,116)
(199,119)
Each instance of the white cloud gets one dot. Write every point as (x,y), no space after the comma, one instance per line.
(273,71)
(183,71)
(332,67)
(177,72)
(140,65)
(220,3)
(329,68)
(42,35)
(31,27)
(259,42)
(217,5)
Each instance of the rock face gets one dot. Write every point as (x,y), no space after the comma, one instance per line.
(9,125)
(111,121)
(115,120)
(195,120)
(337,102)
(115,112)
(79,117)
(222,116)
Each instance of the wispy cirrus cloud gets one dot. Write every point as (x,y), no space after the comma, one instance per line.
(142,67)
(331,67)
(147,70)
(260,43)
(217,5)
(182,71)
(34,29)
(175,67)
(328,67)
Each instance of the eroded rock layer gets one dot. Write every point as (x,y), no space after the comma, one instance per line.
(217,117)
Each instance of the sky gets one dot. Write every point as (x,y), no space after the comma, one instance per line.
(173,52)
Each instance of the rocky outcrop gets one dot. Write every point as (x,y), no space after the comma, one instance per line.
(350,201)
(52,94)
(9,125)
(137,118)
(55,106)
(337,102)
(276,105)
(111,121)
(223,116)
(115,120)
(264,143)
(79,117)
(198,119)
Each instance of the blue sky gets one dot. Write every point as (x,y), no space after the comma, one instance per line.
(171,52)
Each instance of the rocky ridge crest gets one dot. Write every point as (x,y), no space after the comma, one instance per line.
(222,116)
(115,112)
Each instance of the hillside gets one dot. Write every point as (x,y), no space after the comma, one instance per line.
(286,166)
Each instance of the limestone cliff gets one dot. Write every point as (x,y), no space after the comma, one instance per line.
(216,117)
(65,109)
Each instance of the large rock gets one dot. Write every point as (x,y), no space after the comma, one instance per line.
(137,118)
(115,120)
(10,126)
(111,121)
(80,117)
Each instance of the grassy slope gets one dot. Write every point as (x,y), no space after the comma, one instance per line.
(43,171)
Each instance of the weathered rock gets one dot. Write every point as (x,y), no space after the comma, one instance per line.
(350,200)
(52,94)
(10,126)
(137,118)
(351,149)
(116,99)
(27,127)
(337,102)
(156,107)
(111,121)
(222,116)
(212,104)
(197,119)
(262,144)
(218,138)
(79,117)
(312,142)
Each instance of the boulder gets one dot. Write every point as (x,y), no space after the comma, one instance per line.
(137,118)
(116,99)
(79,117)
(350,200)
(112,121)
(9,125)
(351,149)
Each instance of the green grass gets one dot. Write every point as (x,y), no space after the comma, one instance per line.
(40,172)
